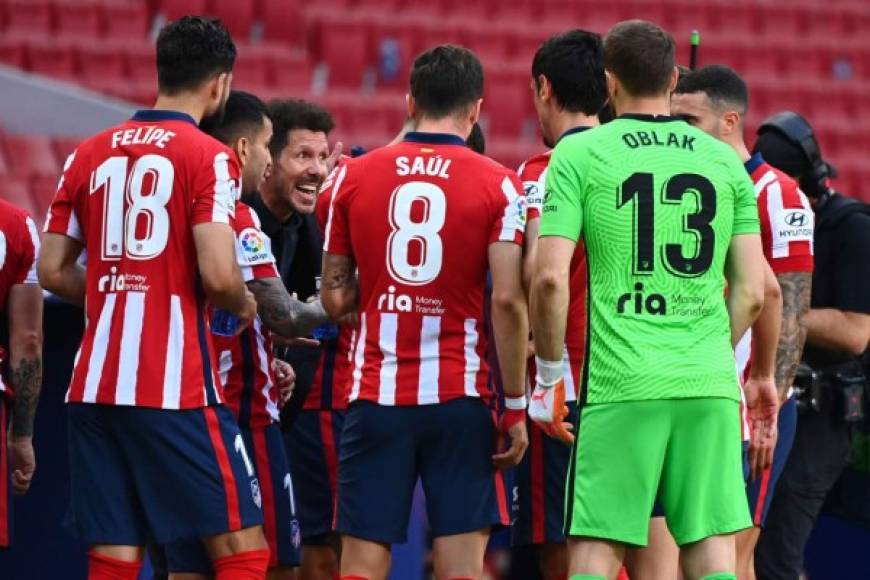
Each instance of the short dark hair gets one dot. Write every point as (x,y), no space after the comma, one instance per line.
(476,140)
(445,80)
(191,50)
(244,113)
(719,83)
(641,55)
(290,114)
(573,62)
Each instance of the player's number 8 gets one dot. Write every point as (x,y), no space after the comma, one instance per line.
(420,239)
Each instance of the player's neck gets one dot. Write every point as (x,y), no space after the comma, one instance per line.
(182,103)
(446,125)
(741,149)
(656,106)
(566,121)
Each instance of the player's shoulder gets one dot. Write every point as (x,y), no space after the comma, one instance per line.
(245,216)
(532,168)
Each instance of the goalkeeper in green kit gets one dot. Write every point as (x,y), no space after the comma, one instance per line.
(668,215)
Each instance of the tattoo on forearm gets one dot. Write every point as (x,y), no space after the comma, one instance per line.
(282,313)
(26,379)
(340,274)
(795,289)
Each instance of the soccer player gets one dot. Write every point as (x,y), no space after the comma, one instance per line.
(667,214)
(154,454)
(249,373)
(715,99)
(312,421)
(21,310)
(569,89)
(422,221)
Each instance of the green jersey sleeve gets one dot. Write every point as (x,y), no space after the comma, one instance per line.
(745,206)
(562,211)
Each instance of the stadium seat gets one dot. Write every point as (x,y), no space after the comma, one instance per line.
(237,15)
(78,19)
(17,192)
(175,9)
(51,58)
(251,68)
(28,16)
(64,146)
(124,20)
(42,190)
(31,155)
(101,61)
(12,51)
(506,97)
(283,22)
(290,72)
(341,43)
(395,38)
(140,61)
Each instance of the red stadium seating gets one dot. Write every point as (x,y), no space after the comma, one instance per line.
(290,71)
(283,22)
(141,61)
(251,68)
(28,16)
(124,20)
(17,192)
(12,51)
(175,9)
(64,146)
(101,62)
(237,15)
(341,43)
(78,19)
(31,155)
(52,58)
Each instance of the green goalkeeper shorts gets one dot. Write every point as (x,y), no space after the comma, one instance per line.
(685,452)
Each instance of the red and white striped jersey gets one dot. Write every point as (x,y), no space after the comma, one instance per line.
(533,174)
(418,219)
(787,227)
(245,361)
(19,249)
(132,195)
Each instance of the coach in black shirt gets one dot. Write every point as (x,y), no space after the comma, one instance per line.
(301,162)
(838,331)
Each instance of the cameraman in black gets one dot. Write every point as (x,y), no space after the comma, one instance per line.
(832,383)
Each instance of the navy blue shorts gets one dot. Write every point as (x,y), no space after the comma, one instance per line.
(539,488)
(449,446)
(760,492)
(5,475)
(312,444)
(139,474)
(280,526)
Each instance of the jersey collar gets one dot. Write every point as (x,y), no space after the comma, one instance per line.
(572,131)
(156,115)
(650,118)
(433,138)
(754,163)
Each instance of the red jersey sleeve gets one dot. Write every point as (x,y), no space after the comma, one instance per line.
(787,227)
(253,247)
(28,252)
(216,187)
(337,231)
(509,224)
(62,217)
(533,174)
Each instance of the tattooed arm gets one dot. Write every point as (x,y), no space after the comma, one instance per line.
(282,313)
(25,376)
(339,290)
(795,287)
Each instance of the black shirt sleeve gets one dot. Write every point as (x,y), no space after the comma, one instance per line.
(851,291)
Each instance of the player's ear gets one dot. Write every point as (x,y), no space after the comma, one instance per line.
(545,89)
(412,106)
(672,84)
(474,111)
(243,150)
(612,86)
(731,120)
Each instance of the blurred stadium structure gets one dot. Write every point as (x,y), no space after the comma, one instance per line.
(353,56)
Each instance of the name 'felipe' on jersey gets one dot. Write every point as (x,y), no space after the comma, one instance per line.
(657,203)
(132,195)
(418,218)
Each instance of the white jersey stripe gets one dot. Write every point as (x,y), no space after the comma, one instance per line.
(263,358)
(765,180)
(225,365)
(389,364)
(174,355)
(32,278)
(775,207)
(511,220)
(225,191)
(131,341)
(358,358)
(570,387)
(98,354)
(472,360)
(430,360)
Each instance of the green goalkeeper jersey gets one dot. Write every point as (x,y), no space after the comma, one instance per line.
(657,203)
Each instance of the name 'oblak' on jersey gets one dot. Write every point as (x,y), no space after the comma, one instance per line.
(418,219)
